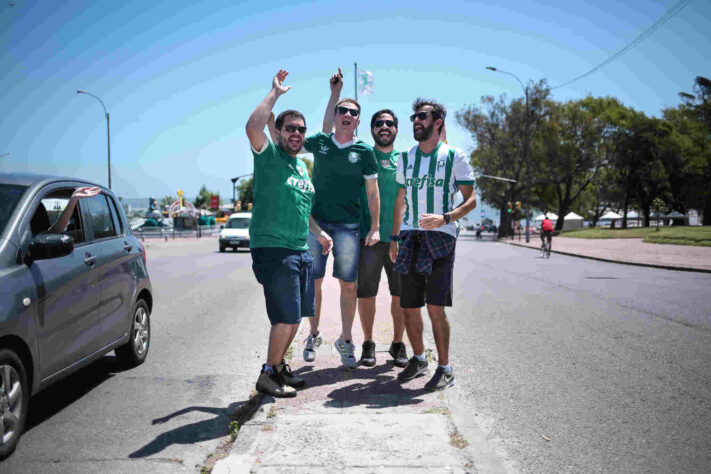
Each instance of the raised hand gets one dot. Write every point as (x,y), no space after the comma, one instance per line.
(278,82)
(336,82)
(86,192)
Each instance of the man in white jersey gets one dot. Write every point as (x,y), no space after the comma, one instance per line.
(425,224)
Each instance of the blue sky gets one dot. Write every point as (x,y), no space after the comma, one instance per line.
(180,79)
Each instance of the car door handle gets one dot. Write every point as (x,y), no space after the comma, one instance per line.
(127,247)
(89,259)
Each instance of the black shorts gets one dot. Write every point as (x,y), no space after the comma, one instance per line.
(435,288)
(371,262)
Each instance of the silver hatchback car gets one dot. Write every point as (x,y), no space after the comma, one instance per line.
(66,298)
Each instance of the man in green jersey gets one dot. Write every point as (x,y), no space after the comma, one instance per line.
(282,263)
(343,165)
(372,260)
(429,175)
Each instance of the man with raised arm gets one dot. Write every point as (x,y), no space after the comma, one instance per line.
(343,165)
(425,222)
(282,263)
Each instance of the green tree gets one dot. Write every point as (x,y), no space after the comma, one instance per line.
(167,201)
(245,191)
(202,201)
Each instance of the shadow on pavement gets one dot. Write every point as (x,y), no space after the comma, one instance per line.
(191,433)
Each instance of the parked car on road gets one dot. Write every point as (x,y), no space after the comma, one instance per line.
(65,299)
(235,234)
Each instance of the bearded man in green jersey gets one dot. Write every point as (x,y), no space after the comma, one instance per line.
(282,263)
(343,165)
(373,259)
(429,175)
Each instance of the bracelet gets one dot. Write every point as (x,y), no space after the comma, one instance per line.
(446,218)
(395,238)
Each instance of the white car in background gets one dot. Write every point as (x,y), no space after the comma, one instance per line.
(235,234)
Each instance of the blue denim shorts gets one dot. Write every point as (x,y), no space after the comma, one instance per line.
(346,247)
(287,278)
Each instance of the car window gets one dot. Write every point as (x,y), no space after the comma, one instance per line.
(100,219)
(118,225)
(9,197)
(50,209)
(238,223)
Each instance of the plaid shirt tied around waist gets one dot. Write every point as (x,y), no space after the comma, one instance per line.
(433,245)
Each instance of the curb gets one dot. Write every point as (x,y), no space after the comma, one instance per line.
(623,262)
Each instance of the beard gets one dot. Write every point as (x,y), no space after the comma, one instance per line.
(423,134)
(386,142)
(288,147)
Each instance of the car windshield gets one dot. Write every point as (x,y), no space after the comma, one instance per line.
(9,197)
(238,223)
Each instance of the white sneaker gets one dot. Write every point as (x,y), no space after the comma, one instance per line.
(347,352)
(312,342)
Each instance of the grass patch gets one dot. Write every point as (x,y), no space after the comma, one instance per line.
(457,440)
(437,411)
(675,235)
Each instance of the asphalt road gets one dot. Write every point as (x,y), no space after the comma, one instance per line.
(573,365)
(568,365)
(209,330)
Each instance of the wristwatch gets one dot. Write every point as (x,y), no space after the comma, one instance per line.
(395,238)
(446,218)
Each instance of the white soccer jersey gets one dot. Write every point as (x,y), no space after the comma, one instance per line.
(431,182)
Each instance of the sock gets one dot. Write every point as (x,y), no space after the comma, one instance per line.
(447,368)
(267,369)
(316,335)
(347,341)
(421,357)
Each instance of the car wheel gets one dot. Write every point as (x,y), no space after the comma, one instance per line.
(134,352)
(14,398)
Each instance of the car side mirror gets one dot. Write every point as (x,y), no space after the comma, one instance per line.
(46,246)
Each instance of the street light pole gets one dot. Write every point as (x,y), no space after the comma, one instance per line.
(108,130)
(234,185)
(526,147)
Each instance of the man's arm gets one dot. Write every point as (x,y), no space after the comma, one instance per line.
(323,238)
(336,83)
(397,221)
(60,225)
(373,194)
(260,116)
(271,126)
(433,221)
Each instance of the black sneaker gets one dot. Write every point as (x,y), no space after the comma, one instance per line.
(367,356)
(414,368)
(287,377)
(440,380)
(398,351)
(272,384)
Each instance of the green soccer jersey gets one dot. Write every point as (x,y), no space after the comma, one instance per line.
(283,196)
(387,185)
(339,172)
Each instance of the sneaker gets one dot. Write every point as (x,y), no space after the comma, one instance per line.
(289,378)
(271,384)
(367,357)
(398,351)
(347,352)
(414,368)
(312,342)
(440,380)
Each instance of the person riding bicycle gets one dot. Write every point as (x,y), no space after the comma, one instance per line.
(547,233)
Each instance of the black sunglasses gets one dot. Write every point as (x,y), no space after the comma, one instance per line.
(419,115)
(380,123)
(294,128)
(346,110)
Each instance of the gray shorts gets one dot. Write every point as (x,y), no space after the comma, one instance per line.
(371,262)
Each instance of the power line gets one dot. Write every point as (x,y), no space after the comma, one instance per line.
(678,6)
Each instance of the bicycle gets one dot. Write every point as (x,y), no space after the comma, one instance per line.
(546,241)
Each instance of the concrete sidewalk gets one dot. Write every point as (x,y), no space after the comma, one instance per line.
(362,419)
(629,251)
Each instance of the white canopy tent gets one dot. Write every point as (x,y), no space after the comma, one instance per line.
(572,221)
(551,216)
(611,216)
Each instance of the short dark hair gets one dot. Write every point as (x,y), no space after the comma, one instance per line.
(438,110)
(381,112)
(343,101)
(280,119)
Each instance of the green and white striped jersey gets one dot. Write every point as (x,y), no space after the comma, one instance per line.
(431,182)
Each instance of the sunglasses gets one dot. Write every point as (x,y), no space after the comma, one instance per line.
(380,123)
(419,115)
(294,128)
(346,110)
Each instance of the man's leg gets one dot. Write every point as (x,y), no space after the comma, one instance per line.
(398,318)
(366,311)
(440,328)
(316,318)
(280,336)
(414,326)
(348,307)
(346,251)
